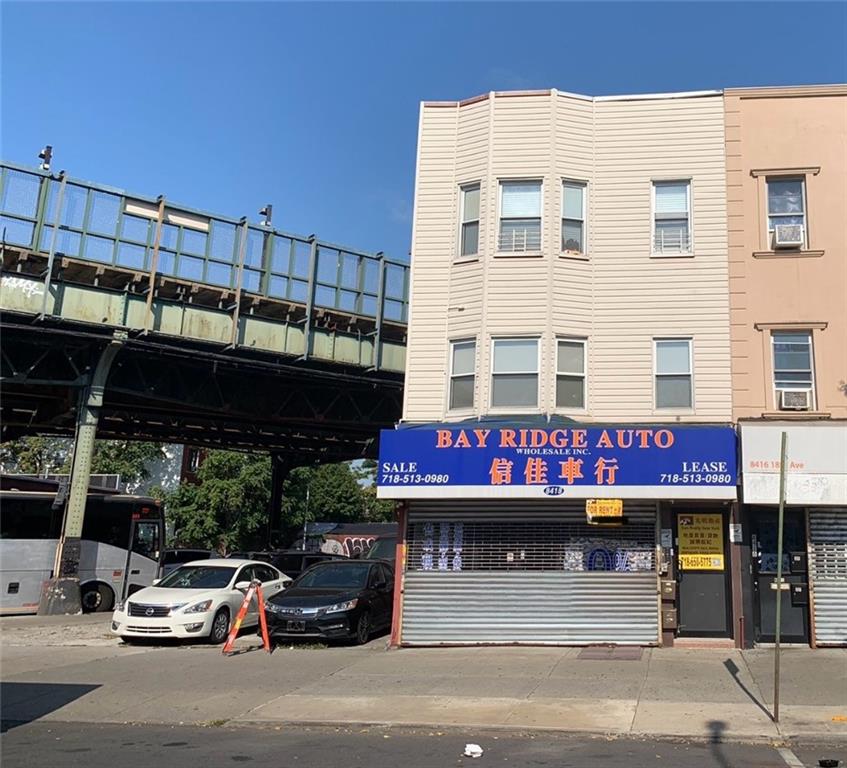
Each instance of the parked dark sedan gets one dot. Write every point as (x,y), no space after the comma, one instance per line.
(336,600)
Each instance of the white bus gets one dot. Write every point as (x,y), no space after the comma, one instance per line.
(121,552)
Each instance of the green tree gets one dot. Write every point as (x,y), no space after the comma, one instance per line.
(35,455)
(128,458)
(42,455)
(228,508)
(333,494)
(374,510)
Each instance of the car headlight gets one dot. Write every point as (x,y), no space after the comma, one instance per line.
(274,608)
(201,607)
(348,605)
(120,605)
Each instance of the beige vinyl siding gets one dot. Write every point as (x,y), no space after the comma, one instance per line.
(433,243)
(619,297)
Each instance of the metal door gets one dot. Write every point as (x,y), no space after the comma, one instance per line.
(705,608)
(828,573)
(794,622)
(142,558)
(528,572)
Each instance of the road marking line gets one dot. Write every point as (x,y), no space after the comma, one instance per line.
(790,758)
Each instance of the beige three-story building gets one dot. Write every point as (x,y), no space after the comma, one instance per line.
(567,441)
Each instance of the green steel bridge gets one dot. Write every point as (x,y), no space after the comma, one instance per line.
(170,324)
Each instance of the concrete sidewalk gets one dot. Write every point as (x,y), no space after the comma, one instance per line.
(702,694)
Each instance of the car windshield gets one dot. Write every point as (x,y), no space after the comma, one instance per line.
(198,577)
(382,548)
(336,575)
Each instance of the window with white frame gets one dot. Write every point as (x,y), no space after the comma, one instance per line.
(520,216)
(469,236)
(793,366)
(570,373)
(514,373)
(786,206)
(673,373)
(462,377)
(573,216)
(671,217)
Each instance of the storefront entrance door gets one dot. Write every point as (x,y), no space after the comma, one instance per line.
(703,575)
(794,622)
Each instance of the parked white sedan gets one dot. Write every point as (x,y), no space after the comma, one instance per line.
(198,599)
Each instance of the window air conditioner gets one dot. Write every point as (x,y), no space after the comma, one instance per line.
(795,399)
(788,235)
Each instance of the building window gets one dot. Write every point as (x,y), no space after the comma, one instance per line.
(793,370)
(570,373)
(462,367)
(573,217)
(673,373)
(520,216)
(469,245)
(514,373)
(671,217)
(786,206)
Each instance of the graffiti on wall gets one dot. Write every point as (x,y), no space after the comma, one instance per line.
(351,546)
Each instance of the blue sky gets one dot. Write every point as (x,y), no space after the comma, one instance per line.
(314,107)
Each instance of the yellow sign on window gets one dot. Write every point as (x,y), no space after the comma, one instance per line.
(603,510)
(700,542)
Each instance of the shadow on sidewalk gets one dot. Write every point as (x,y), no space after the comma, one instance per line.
(733,670)
(24,702)
(716,731)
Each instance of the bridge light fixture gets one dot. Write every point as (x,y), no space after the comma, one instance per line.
(267,214)
(46,157)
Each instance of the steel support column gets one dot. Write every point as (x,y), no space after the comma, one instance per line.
(280,467)
(61,594)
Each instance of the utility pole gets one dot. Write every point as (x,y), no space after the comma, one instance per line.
(780,525)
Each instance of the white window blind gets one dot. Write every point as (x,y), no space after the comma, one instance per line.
(520,200)
(671,198)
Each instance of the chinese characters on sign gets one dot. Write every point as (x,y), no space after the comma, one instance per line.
(700,542)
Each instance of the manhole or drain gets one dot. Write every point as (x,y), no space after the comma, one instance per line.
(610,653)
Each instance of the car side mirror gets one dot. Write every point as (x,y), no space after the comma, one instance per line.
(242,586)
(380,585)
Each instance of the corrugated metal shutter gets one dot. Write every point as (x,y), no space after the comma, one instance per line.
(828,572)
(521,575)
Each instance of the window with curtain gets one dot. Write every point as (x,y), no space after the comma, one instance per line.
(462,367)
(673,373)
(786,203)
(792,362)
(520,216)
(469,245)
(671,217)
(514,373)
(573,217)
(570,373)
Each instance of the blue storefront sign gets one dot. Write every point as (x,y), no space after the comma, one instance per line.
(646,462)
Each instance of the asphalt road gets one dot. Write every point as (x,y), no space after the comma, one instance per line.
(65,745)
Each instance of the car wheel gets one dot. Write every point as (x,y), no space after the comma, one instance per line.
(220,627)
(363,628)
(96,598)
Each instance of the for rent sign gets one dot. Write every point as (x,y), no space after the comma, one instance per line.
(581,462)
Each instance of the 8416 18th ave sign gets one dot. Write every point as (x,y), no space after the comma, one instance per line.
(457,461)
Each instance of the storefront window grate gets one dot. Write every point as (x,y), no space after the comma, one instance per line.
(529,546)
